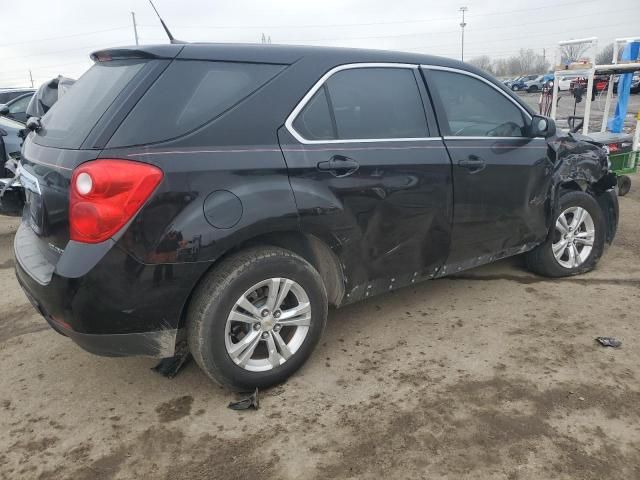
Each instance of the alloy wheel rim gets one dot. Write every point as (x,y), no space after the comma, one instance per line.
(268,324)
(573,237)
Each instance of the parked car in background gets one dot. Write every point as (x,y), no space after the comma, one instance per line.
(600,83)
(218,198)
(564,82)
(10,141)
(8,94)
(522,82)
(535,84)
(12,200)
(16,109)
(518,84)
(635,83)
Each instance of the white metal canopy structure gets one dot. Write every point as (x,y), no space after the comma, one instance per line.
(589,69)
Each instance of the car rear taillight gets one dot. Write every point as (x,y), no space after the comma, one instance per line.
(105,194)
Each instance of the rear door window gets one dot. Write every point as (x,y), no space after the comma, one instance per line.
(377,103)
(70,120)
(188,95)
(371,103)
(314,121)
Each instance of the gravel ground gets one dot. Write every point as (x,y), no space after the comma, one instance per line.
(492,374)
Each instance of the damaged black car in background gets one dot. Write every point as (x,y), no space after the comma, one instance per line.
(217,199)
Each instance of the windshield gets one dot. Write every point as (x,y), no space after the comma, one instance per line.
(71,119)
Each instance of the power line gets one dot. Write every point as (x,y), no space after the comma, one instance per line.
(44,67)
(51,52)
(393,22)
(470,31)
(480,42)
(62,36)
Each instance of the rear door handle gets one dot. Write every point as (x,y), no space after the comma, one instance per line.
(339,166)
(473,163)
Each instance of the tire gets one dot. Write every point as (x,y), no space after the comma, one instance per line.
(542,259)
(624,185)
(515,88)
(211,332)
(532,89)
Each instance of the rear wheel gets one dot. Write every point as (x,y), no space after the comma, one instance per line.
(576,240)
(256,318)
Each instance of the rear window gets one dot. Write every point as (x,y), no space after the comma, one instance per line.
(71,119)
(188,95)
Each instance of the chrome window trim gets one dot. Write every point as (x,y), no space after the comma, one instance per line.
(495,87)
(480,137)
(349,66)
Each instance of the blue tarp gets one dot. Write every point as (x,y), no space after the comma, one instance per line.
(631,52)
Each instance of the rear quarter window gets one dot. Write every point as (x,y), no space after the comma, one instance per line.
(188,95)
(70,120)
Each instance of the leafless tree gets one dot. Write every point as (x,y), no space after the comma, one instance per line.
(573,52)
(531,62)
(605,56)
(483,62)
(526,62)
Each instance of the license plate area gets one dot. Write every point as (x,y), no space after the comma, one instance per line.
(34,205)
(35,210)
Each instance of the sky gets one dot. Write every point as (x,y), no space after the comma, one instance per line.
(56,37)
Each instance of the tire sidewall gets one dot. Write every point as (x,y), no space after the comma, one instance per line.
(586,201)
(213,350)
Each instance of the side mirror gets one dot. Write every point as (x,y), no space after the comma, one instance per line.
(33,124)
(4,108)
(542,127)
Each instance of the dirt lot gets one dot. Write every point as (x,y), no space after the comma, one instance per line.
(492,374)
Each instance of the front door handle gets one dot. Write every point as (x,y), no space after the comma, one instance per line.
(473,163)
(339,166)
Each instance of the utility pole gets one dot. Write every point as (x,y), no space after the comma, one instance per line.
(31,78)
(462,25)
(135,27)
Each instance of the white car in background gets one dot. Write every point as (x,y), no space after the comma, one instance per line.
(564,83)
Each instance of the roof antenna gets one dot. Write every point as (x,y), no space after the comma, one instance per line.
(171,39)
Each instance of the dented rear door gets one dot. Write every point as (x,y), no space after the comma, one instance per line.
(369,178)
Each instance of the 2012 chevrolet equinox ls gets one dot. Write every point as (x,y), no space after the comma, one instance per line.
(221,197)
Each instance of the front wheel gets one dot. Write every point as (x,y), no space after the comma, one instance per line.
(624,185)
(576,240)
(256,318)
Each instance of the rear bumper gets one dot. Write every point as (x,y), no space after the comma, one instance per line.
(108,302)
(159,343)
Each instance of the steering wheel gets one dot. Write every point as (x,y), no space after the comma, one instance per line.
(460,132)
(507,129)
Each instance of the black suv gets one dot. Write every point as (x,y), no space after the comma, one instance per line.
(220,197)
